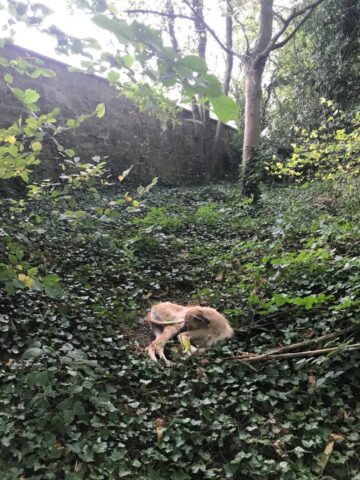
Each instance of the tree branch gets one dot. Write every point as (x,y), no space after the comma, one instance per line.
(314,341)
(311,353)
(171,26)
(197,7)
(279,352)
(277,15)
(213,34)
(145,11)
(292,33)
(286,23)
(244,32)
(226,84)
(229,45)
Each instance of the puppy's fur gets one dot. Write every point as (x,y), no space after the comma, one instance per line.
(205,326)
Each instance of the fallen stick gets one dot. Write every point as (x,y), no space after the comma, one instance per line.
(323,338)
(277,351)
(310,353)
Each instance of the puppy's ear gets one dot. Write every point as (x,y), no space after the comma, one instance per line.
(202,319)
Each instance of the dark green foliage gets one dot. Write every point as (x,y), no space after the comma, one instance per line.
(80,400)
(323,60)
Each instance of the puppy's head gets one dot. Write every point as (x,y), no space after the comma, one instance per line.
(195,318)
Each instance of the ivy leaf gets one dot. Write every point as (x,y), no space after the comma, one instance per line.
(51,280)
(38,378)
(32,353)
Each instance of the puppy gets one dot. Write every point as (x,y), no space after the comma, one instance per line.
(195,327)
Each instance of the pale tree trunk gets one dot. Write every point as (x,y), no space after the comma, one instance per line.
(252,122)
(254,68)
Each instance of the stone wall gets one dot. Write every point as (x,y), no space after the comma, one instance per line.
(125,135)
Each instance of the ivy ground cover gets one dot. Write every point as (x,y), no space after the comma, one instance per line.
(80,400)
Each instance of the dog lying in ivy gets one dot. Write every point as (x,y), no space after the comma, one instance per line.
(196,328)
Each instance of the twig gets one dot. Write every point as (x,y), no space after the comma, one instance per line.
(277,15)
(185,17)
(279,352)
(243,30)
(313,341)
(147,11)
(311,353)
(248,365)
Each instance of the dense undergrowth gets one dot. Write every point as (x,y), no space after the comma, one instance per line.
(80,400)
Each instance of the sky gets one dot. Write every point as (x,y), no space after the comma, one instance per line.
(81,26)
(38,41)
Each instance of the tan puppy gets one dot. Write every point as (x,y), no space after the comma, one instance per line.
(204,326)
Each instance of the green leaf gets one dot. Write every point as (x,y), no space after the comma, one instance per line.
(32,353)
(47,73)
(280,300)
(193,63)
(69,152)
(208,85)
(31,96)
(38,378)
(32,271)
(100,110)
(54,292)
(113,76)
(8,78)
(119,28)
(51,280)
(125,173)
(36,146)
(117,454)
(68,416)
(128,60)
(225,108)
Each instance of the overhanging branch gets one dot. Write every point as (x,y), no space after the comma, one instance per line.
(211,31)
(274,44)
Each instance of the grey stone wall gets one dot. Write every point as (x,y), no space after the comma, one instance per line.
(125,135)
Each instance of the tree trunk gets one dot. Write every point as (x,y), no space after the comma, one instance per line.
(201,110)
(252,121)
(216,149)
(254,69)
